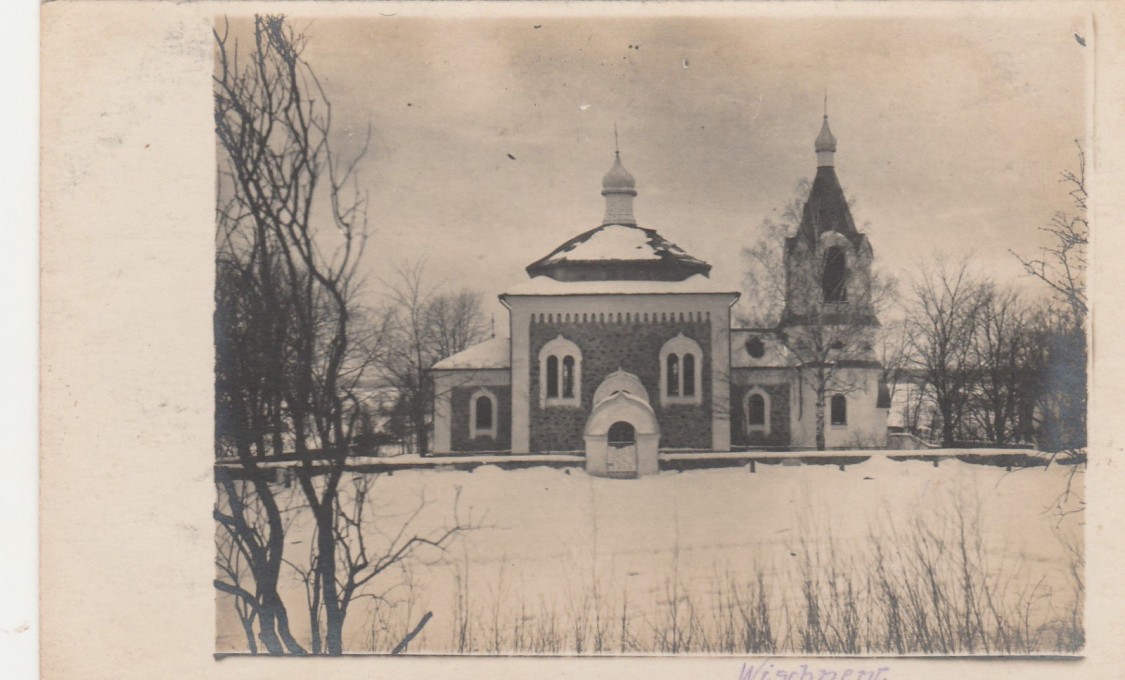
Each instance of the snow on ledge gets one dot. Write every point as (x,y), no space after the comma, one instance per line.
(493,353)
(697,284)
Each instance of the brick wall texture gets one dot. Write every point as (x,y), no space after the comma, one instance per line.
(779,416)
(460,439)
(635,347)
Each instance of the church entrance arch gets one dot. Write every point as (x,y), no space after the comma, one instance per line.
(621,458)
(622,435)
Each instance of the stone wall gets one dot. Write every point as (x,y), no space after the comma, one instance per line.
(779,434)
(609,342)
(461,441)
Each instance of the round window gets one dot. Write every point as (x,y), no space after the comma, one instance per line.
(755,348)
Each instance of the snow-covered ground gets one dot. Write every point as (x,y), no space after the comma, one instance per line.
(549,539)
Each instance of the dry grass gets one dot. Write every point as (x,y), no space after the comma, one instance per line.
(938,580)
(925,587)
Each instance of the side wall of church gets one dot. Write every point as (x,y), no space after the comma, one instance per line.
(453,392)
(608,344)
(779,409)
(461,436)
(866,425)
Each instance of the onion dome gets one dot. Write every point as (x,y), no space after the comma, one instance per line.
(825,141)
(618,179)
(619,188)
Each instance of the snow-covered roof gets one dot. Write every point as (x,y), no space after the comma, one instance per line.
(545,285)
(618,251)
(493,353)
(773,353)
(611,242)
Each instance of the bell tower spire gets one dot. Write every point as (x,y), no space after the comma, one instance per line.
(825,141)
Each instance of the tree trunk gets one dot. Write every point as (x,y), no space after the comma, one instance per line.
(267,634)
(248,628)
(280,616)
(326,565)
(947,427)
(421,436)
(821,444)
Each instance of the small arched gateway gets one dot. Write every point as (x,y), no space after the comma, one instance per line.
(622,436)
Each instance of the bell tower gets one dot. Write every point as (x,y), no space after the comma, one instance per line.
(828,261)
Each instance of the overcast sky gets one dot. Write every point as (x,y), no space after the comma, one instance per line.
(951,133)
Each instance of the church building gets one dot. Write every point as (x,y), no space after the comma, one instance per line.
(621,348)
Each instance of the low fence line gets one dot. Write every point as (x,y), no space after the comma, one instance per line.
(672,461)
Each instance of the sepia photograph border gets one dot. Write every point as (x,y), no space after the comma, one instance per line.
(126,492)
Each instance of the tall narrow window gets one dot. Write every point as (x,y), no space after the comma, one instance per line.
(673,375)
(552,377)
(835,275)
(568,378)
(689,375)
(839,409)
(756,410)
(484,413)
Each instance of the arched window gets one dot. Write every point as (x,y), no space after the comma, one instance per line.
(560,373)
(482,414)
(552,377)
(835,278)
(757,410)
(689,375)
(839,409)
(680,371)
(568,378)
(672,374)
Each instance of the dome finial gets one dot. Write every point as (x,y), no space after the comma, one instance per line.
(825,142)
(619,188)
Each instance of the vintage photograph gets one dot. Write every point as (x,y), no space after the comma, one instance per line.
(629,335)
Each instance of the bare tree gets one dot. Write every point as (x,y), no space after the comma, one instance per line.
(1062,330)
(892,346)
(999,352)
(764,273)
(1057,391)
(293,222)
(250,327)
(249,555)
(366,551)
(456,322)
(429,324)
(1062,265)
(943,319)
